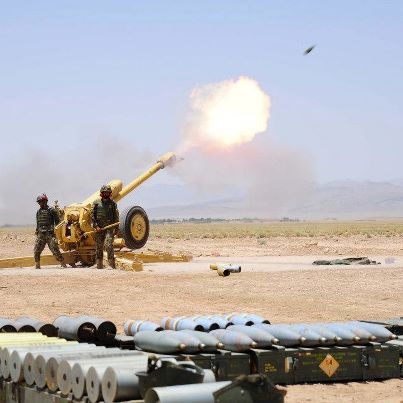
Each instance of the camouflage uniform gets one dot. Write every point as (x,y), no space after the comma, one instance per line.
(46,220)
(104,212)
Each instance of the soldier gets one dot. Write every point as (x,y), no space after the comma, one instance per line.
(105,212)
(46,220)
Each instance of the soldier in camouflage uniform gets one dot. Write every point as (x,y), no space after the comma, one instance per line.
(104,212)
(46,220)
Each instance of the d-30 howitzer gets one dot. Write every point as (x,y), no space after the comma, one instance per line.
(76,236)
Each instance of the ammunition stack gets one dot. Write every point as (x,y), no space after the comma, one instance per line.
(182,359)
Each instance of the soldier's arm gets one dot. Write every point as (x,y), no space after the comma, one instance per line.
(37,228)
(55,215)
(94,215)
(116,213)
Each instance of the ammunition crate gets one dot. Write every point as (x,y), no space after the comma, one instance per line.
(226,365)
(327,364)
(18,393)
(398,344)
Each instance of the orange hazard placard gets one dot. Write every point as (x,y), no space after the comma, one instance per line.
(329,365)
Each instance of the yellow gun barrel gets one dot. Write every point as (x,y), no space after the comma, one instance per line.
(165,160)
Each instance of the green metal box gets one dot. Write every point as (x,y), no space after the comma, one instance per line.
(226,365)
(327,364)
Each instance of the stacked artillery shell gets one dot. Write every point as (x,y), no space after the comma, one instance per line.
(23,327)
(331,336)
(238,319)
(30,364)
(120,379)
(67,377)
(312,338)
(17,355)
(131,327)
(75,329)
(202,392)
(221,321)
(7,326)
(286,336)
(347,336)
(247,319)
(13,357)
(105,329)
(381,333)
(234,341)
(45,328)
(207,323)
(53,362)
(120,384)
(180,323)
(158,342)
(15,340)
(211,343)
(364,335)
(262,338)
(192,343)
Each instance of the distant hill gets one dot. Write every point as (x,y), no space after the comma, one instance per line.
(339,199)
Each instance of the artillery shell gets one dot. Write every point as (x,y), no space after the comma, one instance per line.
(193,344)
(131,327)
(347,336)
(358,330)
(234,341)
(286,336)
(12,364)
(312,338)
(180,323)
(41,327)
(380,332)
(124,370)
(211,342)
(66,379)
(261,337)
(158,342)
(105,329)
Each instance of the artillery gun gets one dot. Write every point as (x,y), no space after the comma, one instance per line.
(76,236)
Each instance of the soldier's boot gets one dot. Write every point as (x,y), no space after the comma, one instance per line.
(37,264)
(100,264)
(112,263)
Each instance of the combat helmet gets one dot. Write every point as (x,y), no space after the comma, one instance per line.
(42,197)
(106,189)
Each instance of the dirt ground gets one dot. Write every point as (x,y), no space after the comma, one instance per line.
(277,281)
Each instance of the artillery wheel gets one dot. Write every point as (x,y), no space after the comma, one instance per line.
(134,226)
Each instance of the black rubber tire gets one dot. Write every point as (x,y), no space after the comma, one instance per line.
(126,217)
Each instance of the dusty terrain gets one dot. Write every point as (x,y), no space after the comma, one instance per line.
(277,281)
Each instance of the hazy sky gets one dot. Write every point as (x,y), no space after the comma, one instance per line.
(71,71)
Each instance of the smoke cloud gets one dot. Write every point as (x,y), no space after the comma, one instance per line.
(222,155)
(67,177)
(224,114)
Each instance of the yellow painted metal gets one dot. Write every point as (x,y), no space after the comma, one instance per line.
(164,160)
(29,261)
(77,238)
(138,227)
(103,228)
